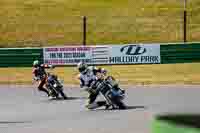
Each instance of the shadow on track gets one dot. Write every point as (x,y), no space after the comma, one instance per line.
(68,98)
(14,122)
(127,108)
(135,107)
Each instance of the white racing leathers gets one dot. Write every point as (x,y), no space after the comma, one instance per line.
(89,76)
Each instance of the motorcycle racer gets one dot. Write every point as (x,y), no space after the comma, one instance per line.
(40,75)
(88,75)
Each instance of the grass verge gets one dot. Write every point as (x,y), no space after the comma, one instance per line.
(177,124)
(188,73)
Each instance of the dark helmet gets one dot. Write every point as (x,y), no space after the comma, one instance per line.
(82,67)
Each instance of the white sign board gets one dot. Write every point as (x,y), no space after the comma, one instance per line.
(109,54)
(134,54)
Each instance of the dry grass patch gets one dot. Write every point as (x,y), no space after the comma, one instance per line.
(126,74)
(53,22)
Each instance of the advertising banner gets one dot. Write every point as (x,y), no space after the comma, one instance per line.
(134,54)
(69,55)
(109,54)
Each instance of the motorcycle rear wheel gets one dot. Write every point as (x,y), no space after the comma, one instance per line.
(63,94)
(120,104)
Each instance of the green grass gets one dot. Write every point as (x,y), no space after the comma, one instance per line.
(126,74)
(53,22)
(163,126)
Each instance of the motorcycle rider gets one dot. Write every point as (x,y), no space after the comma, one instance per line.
(89,74)
(39,74)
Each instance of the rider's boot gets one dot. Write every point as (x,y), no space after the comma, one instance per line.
(97,105)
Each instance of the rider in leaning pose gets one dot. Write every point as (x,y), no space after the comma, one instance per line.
(87,75)
(40,75)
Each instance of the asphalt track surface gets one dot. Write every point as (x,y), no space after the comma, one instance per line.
(25,110)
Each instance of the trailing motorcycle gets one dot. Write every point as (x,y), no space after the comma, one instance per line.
(110,90)
(55,86)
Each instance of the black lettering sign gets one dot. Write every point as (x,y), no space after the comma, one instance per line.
(59,55)
(134,59)
(124,59)
(133,50)
(74,55)
(52,55)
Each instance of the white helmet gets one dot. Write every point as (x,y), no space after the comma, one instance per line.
(82,67)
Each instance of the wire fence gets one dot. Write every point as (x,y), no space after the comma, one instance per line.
(164,27)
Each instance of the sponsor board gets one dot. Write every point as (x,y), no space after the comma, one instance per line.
(71,55)
(134,54)
(109,54)
(66,55)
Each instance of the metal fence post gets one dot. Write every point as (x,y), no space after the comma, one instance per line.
(185,22)
(84,30)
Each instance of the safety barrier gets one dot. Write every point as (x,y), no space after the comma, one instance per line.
(180,53)
(19,57)
(169,53)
